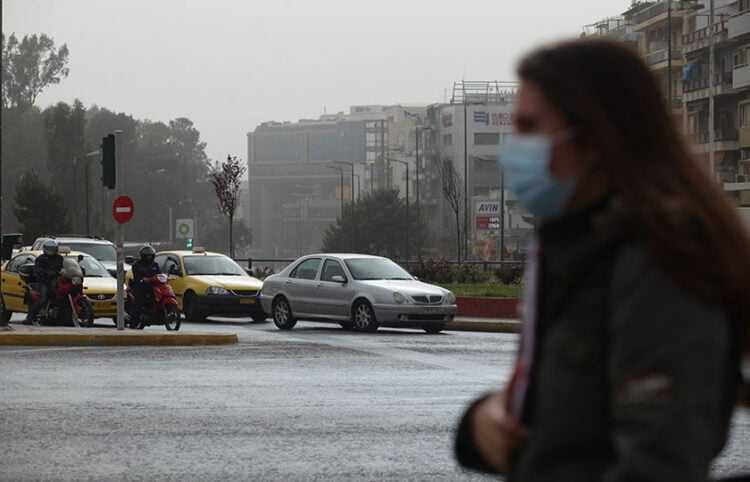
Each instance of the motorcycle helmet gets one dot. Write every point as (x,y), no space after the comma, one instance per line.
(147,253)
(50,247)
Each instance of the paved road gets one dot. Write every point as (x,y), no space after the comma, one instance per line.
(316,403)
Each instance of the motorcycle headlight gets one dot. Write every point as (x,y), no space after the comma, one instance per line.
(77,280)
(398,297)
(450,298)
(217,290)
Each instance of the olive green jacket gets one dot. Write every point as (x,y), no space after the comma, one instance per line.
(633,378)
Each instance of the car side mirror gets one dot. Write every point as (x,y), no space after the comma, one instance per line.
(129,259)
(338,279)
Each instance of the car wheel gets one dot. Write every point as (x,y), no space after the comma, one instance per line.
(172,315)
(282,314)
(433,329)
(190,308)
(4,314)
(363,316)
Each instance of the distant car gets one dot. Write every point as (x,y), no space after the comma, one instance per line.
(357,291)
(209,284)
(103,250)
(98,285)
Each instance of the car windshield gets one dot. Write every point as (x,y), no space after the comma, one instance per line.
(102,252)
(219,265)
(93,268)
(376,268)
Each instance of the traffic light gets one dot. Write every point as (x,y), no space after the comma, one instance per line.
(189,243)
(109,174)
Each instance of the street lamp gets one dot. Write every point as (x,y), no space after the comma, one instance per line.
(406,164)
(150,214)
(85,187)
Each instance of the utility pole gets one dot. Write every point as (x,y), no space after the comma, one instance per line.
(669,54)
(711,61)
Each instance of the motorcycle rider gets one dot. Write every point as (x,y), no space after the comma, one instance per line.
(143,269)
(47,268)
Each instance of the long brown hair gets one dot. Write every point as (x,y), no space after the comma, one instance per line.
(605,91)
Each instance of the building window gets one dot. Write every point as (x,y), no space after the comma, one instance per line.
(447,139)
(487,138)
(744,5)
(744,115)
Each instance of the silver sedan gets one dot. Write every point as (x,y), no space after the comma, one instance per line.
(358,291)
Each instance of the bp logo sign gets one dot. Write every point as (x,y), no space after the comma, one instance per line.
(184,228)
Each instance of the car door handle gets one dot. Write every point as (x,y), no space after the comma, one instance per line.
(320,285)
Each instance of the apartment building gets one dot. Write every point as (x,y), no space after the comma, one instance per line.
(677,40)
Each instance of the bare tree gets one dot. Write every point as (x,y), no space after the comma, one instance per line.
(226,180)
(451,184)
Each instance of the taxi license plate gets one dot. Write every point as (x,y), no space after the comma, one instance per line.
(247,301)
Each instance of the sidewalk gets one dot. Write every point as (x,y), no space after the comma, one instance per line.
(107,336)
(21,334)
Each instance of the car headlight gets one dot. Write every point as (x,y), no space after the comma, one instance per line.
(450,298)
(217,290)
(399,297)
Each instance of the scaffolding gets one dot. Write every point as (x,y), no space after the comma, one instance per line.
(483,92)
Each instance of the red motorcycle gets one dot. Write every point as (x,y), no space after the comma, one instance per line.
(66,304)
(160,307)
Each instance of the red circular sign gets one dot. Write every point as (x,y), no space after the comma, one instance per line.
(123,209)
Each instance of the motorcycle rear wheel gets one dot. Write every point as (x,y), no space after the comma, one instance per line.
(172,315)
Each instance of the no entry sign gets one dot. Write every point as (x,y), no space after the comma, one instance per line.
(122,209)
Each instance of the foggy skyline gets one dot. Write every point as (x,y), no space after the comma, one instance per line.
(230,65)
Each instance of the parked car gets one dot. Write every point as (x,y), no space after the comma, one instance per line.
(209,284)
(98,284)
(357,291)
(103,250)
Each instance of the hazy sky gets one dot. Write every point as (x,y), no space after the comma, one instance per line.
(229,65)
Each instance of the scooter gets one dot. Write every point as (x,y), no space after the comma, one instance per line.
(66,304)
(160,308)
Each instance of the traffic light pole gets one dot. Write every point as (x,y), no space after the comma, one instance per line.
(120,236)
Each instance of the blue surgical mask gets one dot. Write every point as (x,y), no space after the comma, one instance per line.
(526,170)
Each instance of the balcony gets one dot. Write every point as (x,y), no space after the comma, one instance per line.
(698,88)
(658,57)
(654,14)
(741,76)
(739,24)
(698,39)
(725,140)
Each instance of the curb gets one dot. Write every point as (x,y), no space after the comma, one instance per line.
(117,339)
(489,326)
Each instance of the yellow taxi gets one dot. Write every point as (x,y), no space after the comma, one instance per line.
(210,284)
(98,285)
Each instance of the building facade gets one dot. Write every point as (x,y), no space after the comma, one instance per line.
(302,174)
(711,101)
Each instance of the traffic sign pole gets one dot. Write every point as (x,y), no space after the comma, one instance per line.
(120,236)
